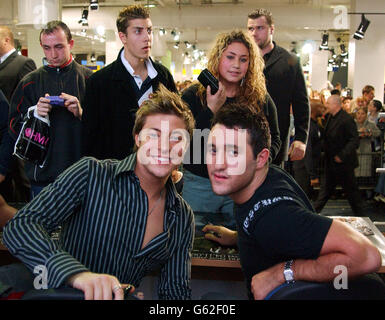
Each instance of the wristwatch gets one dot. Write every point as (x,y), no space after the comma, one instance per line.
(288,272)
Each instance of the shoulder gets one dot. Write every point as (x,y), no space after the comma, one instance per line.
(83,70)
(161,69)
(106,72)
(185,210)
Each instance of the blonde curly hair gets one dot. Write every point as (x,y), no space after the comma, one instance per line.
(253,90)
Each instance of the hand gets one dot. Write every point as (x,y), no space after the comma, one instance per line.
(337,159)
(297,150)
(2,178)
(214,102)
(72,104)
(43,106)
(264,282)
(222,235)
(98,286)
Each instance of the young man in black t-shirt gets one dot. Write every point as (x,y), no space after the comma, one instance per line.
(277,226)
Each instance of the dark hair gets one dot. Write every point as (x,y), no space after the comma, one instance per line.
(367,89)
(262,13)
(130,13)
(241,115)
(55,25)
(164,101)
(377,104)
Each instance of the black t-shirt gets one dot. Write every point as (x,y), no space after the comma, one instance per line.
(277,224)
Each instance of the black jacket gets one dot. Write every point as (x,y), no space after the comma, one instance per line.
(65,130)
(286,85)
(110,107)
(340,137)
(12,70)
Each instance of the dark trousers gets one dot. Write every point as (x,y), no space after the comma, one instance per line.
(336,173)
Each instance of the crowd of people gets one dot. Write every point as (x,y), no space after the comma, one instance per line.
(121,142)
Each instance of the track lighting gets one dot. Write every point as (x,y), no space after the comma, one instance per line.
(94,4)
(84,19)
(360,33)
(325,42)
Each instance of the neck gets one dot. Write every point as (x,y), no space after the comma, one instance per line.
(137,64)
(231,88)
(267,48)
(246,193)
(150,184)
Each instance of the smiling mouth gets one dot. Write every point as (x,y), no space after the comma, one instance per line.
(219,177)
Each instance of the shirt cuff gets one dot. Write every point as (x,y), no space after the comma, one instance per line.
(61,266)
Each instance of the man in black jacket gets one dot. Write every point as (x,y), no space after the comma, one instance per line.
(340,139)
(115,93)
(14,185)
(285,84)
(13,67)
(62,77)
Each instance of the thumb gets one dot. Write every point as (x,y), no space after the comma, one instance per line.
(128,287)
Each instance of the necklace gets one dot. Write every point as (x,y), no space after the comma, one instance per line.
(156,203)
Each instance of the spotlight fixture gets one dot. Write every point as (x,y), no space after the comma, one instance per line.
(162,31)
(175,35)
(94,4)
(187,44)
(360,33)
(93,58)
(343,50)
(325,42)
(84,18)
(176,45)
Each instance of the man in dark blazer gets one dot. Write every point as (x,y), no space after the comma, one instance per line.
(13,67)
(340,141)
(285,84)
(115,93)
(14,185)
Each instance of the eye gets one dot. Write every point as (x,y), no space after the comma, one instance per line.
(230,57)
(212,150)
(244,60)
(175,138)
(232,153)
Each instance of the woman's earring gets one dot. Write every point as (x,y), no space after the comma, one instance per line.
(242,81)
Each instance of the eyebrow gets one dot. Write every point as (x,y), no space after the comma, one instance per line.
(243,55)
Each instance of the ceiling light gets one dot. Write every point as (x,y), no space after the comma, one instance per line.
(325,42)
(187,44)
(84,19)
(94,4)
(175,35)
(343,50)
(176,45)
(360,33)
(162,31)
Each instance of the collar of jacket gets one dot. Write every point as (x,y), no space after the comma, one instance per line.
(277,54)
(64,68)
(128,164)
(120,72)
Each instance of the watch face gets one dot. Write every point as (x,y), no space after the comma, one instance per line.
(288,274)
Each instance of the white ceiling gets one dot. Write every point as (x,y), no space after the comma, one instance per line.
(199,21)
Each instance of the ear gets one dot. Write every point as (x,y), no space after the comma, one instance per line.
(137,142)
(262,158)
(71,43)
(122,37)
(272,29)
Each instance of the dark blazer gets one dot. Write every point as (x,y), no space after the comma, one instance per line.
(12,70)
(286,85)
(340,137)
(109,110)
